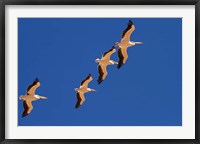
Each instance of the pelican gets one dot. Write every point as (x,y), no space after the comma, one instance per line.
(125,43)
(30,96)
(103,63)
(83,89)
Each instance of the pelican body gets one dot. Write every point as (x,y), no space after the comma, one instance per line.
(103,63)
(125,43)
(83,89)
(30,96)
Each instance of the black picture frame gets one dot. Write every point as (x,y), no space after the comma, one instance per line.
(3,4)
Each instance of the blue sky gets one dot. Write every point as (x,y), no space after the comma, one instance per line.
(61,52)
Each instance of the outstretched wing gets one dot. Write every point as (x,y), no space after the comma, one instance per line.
(102,72)
(85,82)
(123,56)
(80,99)
(27,108)
(31,89)
(127,32)
(106,55)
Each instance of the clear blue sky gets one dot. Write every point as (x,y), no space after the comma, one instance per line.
(61,52)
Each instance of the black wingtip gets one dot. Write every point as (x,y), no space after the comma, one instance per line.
(119,66)
(130,22)
(36,79)
(89,74)
(99,81)
(77,106)
(23,115)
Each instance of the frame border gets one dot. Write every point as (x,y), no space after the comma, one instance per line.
(3,3)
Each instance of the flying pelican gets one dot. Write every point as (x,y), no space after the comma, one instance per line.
(125,43)
(30,96)
(83,89)
(103,63)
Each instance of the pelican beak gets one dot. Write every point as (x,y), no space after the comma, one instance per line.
(115,62)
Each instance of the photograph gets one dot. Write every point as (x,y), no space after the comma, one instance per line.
(99,71)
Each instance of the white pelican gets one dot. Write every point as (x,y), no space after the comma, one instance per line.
(125,43)
(83,89)
(103,63)
(30,96)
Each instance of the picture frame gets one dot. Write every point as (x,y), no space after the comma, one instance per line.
(99,2)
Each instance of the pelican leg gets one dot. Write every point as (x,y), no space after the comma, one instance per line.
(92,90)
(115,62)
(138,42)
(43,97)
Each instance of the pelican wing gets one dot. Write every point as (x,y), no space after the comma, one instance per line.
(123,56)
(127,32)
(106,55)
(27,108)
(31,89)
(85,82)
(80,99)
(102,72)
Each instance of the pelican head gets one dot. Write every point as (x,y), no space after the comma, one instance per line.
(76,89)
(117,44)
(21,97)
(97,60)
